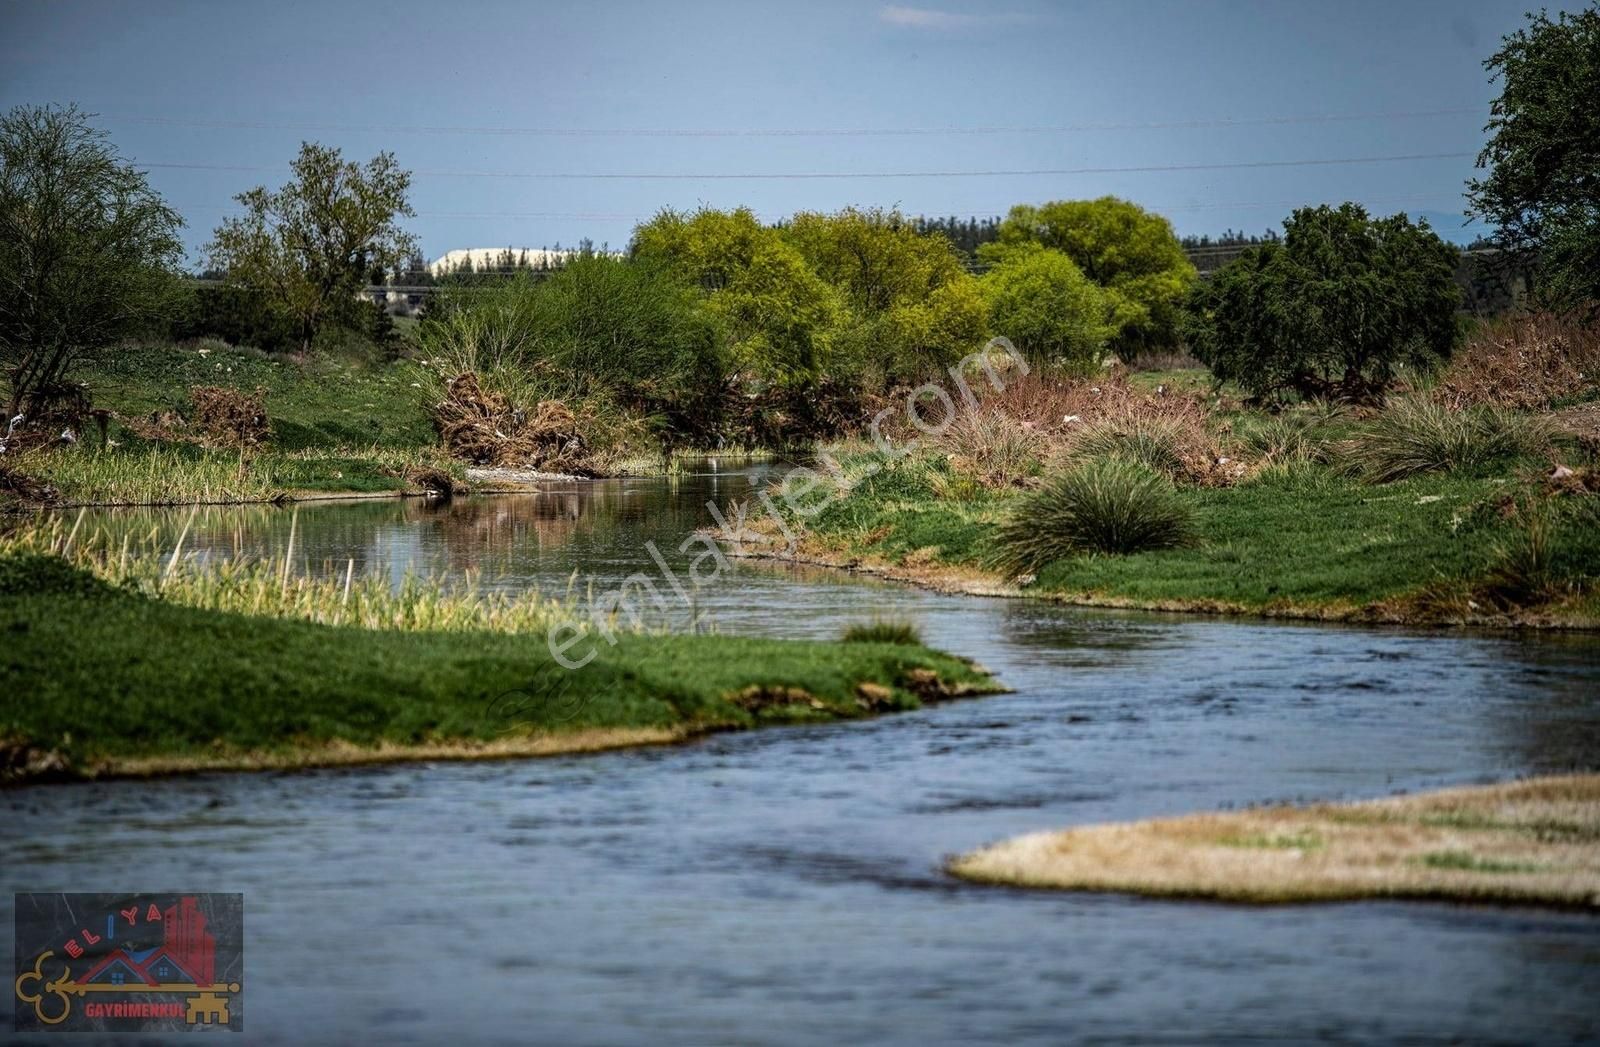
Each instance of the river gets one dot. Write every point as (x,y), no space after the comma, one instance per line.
(785,885)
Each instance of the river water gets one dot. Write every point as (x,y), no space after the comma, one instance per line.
(785,886)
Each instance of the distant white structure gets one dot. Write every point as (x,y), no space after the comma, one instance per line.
(489,256)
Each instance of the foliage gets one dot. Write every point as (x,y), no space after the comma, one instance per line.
(628,331)
(1543,154)
(1334,311)
(1414,436)
(311,246)
(88,251)
(914,309)
(1133,254)
(1110,505)
(1049,309)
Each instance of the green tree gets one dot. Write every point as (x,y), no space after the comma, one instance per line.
(1542,191)
(1333,311)
(779,316)
(911,306)
(311,246)
(1125,249)
(1047,307)
(88,251)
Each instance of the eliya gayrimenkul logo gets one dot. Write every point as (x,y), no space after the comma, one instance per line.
(152,962)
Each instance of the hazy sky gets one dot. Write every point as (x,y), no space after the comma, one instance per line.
(686,89)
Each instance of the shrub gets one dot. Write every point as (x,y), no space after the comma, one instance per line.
(1049,309)
(1334,311)
(1413,436)
(1110,505)
(883,630)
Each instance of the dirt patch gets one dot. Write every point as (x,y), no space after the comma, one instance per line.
(1533,841)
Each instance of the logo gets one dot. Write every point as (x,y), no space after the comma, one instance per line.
(129,962)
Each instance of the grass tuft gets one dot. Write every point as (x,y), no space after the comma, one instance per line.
(1108,505)
(1414,436)
(883,630)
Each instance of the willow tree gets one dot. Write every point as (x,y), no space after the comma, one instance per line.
(310,247)
(88,251)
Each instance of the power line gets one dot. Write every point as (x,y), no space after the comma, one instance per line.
(859,132)
(928,212)
(836,175)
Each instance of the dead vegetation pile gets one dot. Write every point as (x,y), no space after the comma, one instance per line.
(1039,420)
(485,428)
(1525,362)
(225,417)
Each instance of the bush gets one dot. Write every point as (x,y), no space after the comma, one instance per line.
(1043,303)
(883,630)
(1334,311)
(1110,505)
(1415,436)
(1133,254)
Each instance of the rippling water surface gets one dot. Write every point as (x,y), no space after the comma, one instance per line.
(784,886)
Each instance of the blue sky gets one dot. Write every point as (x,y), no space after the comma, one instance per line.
(1029,86)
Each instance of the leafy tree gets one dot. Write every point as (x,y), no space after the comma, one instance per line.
(1333,311)
(1048,307)
(778,314)
(911,306)
(1543,155)
(88,251)
(312,245)
(1122,247)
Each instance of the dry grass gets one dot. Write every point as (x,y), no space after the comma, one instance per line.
(1041,417)
(1523,362)
(1531,841)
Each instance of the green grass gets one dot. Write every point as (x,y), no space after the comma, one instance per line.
(1304,537)
(337,425)
(103,678)
(326,402)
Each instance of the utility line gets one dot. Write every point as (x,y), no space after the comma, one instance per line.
(834,175)
(860,132)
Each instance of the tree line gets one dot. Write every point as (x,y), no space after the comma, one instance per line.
(820,307)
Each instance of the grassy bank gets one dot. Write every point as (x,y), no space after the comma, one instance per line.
(1288,538)
(1529,841)
(345,425)
(102,680)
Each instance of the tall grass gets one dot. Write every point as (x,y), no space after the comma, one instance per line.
(1415,436)
(274,587)
(1109,505)
(154,475)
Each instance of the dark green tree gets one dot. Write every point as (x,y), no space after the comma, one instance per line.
(1542,191)
(88,251)
(1334,311)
